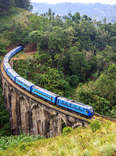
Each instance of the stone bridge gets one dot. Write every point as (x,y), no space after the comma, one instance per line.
(31,115)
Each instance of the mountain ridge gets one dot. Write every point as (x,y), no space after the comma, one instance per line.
(95,11)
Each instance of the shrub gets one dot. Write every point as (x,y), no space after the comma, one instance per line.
(66,130)
(22,140)
(95,125)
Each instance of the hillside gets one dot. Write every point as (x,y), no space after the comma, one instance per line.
(8,24)
(95,11)
(75,58)
(13,15)
(99,139)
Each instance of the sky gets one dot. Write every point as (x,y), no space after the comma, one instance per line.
(76,1)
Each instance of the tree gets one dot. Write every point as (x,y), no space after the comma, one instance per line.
(4,5)
(76,18)
(60,39)
(76,63)
(23,4)
(35,36)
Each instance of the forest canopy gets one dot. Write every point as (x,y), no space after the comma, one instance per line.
(75,55)
(6,4)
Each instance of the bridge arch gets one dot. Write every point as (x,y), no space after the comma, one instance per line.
(32,115)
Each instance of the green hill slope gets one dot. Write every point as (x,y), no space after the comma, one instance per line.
(15,16)
(96,140)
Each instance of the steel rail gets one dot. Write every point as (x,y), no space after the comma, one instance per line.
(104,117)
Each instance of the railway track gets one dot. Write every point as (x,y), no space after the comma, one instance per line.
(98,116)
(71,114)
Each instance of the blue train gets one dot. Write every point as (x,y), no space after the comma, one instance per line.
(43,93)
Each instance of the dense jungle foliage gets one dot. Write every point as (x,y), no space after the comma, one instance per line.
(7,4)
(75,57)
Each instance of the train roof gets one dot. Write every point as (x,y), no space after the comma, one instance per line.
(25,81)
(76,103)
(15,49)
(8,54)
(13,72)
(7,65)
(45,90)
(11,51)
(5,59)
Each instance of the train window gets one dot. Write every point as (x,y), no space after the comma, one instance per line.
(87,111)
(73,106)
(41,94)
(79,108)
(68,104)
(23,83)
(63,102)
(91,110)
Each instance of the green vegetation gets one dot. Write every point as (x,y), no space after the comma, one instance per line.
(7,4)
(80,141)
(101,92)
(13,141)
(16,16)
(75,58)
(95,125)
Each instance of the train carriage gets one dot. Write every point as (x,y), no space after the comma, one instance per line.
(6,59)
(45,94)
(12,53)
(75,106)
(12,74)
(24,83)
(6,66)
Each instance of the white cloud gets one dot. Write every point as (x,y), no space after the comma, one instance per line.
(74,1)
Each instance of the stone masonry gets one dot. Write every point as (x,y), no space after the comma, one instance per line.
(32,117)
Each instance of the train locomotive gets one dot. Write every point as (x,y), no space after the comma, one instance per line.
(52,98)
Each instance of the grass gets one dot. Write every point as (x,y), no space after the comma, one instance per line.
(13,141)
(96,140)
(78,142)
